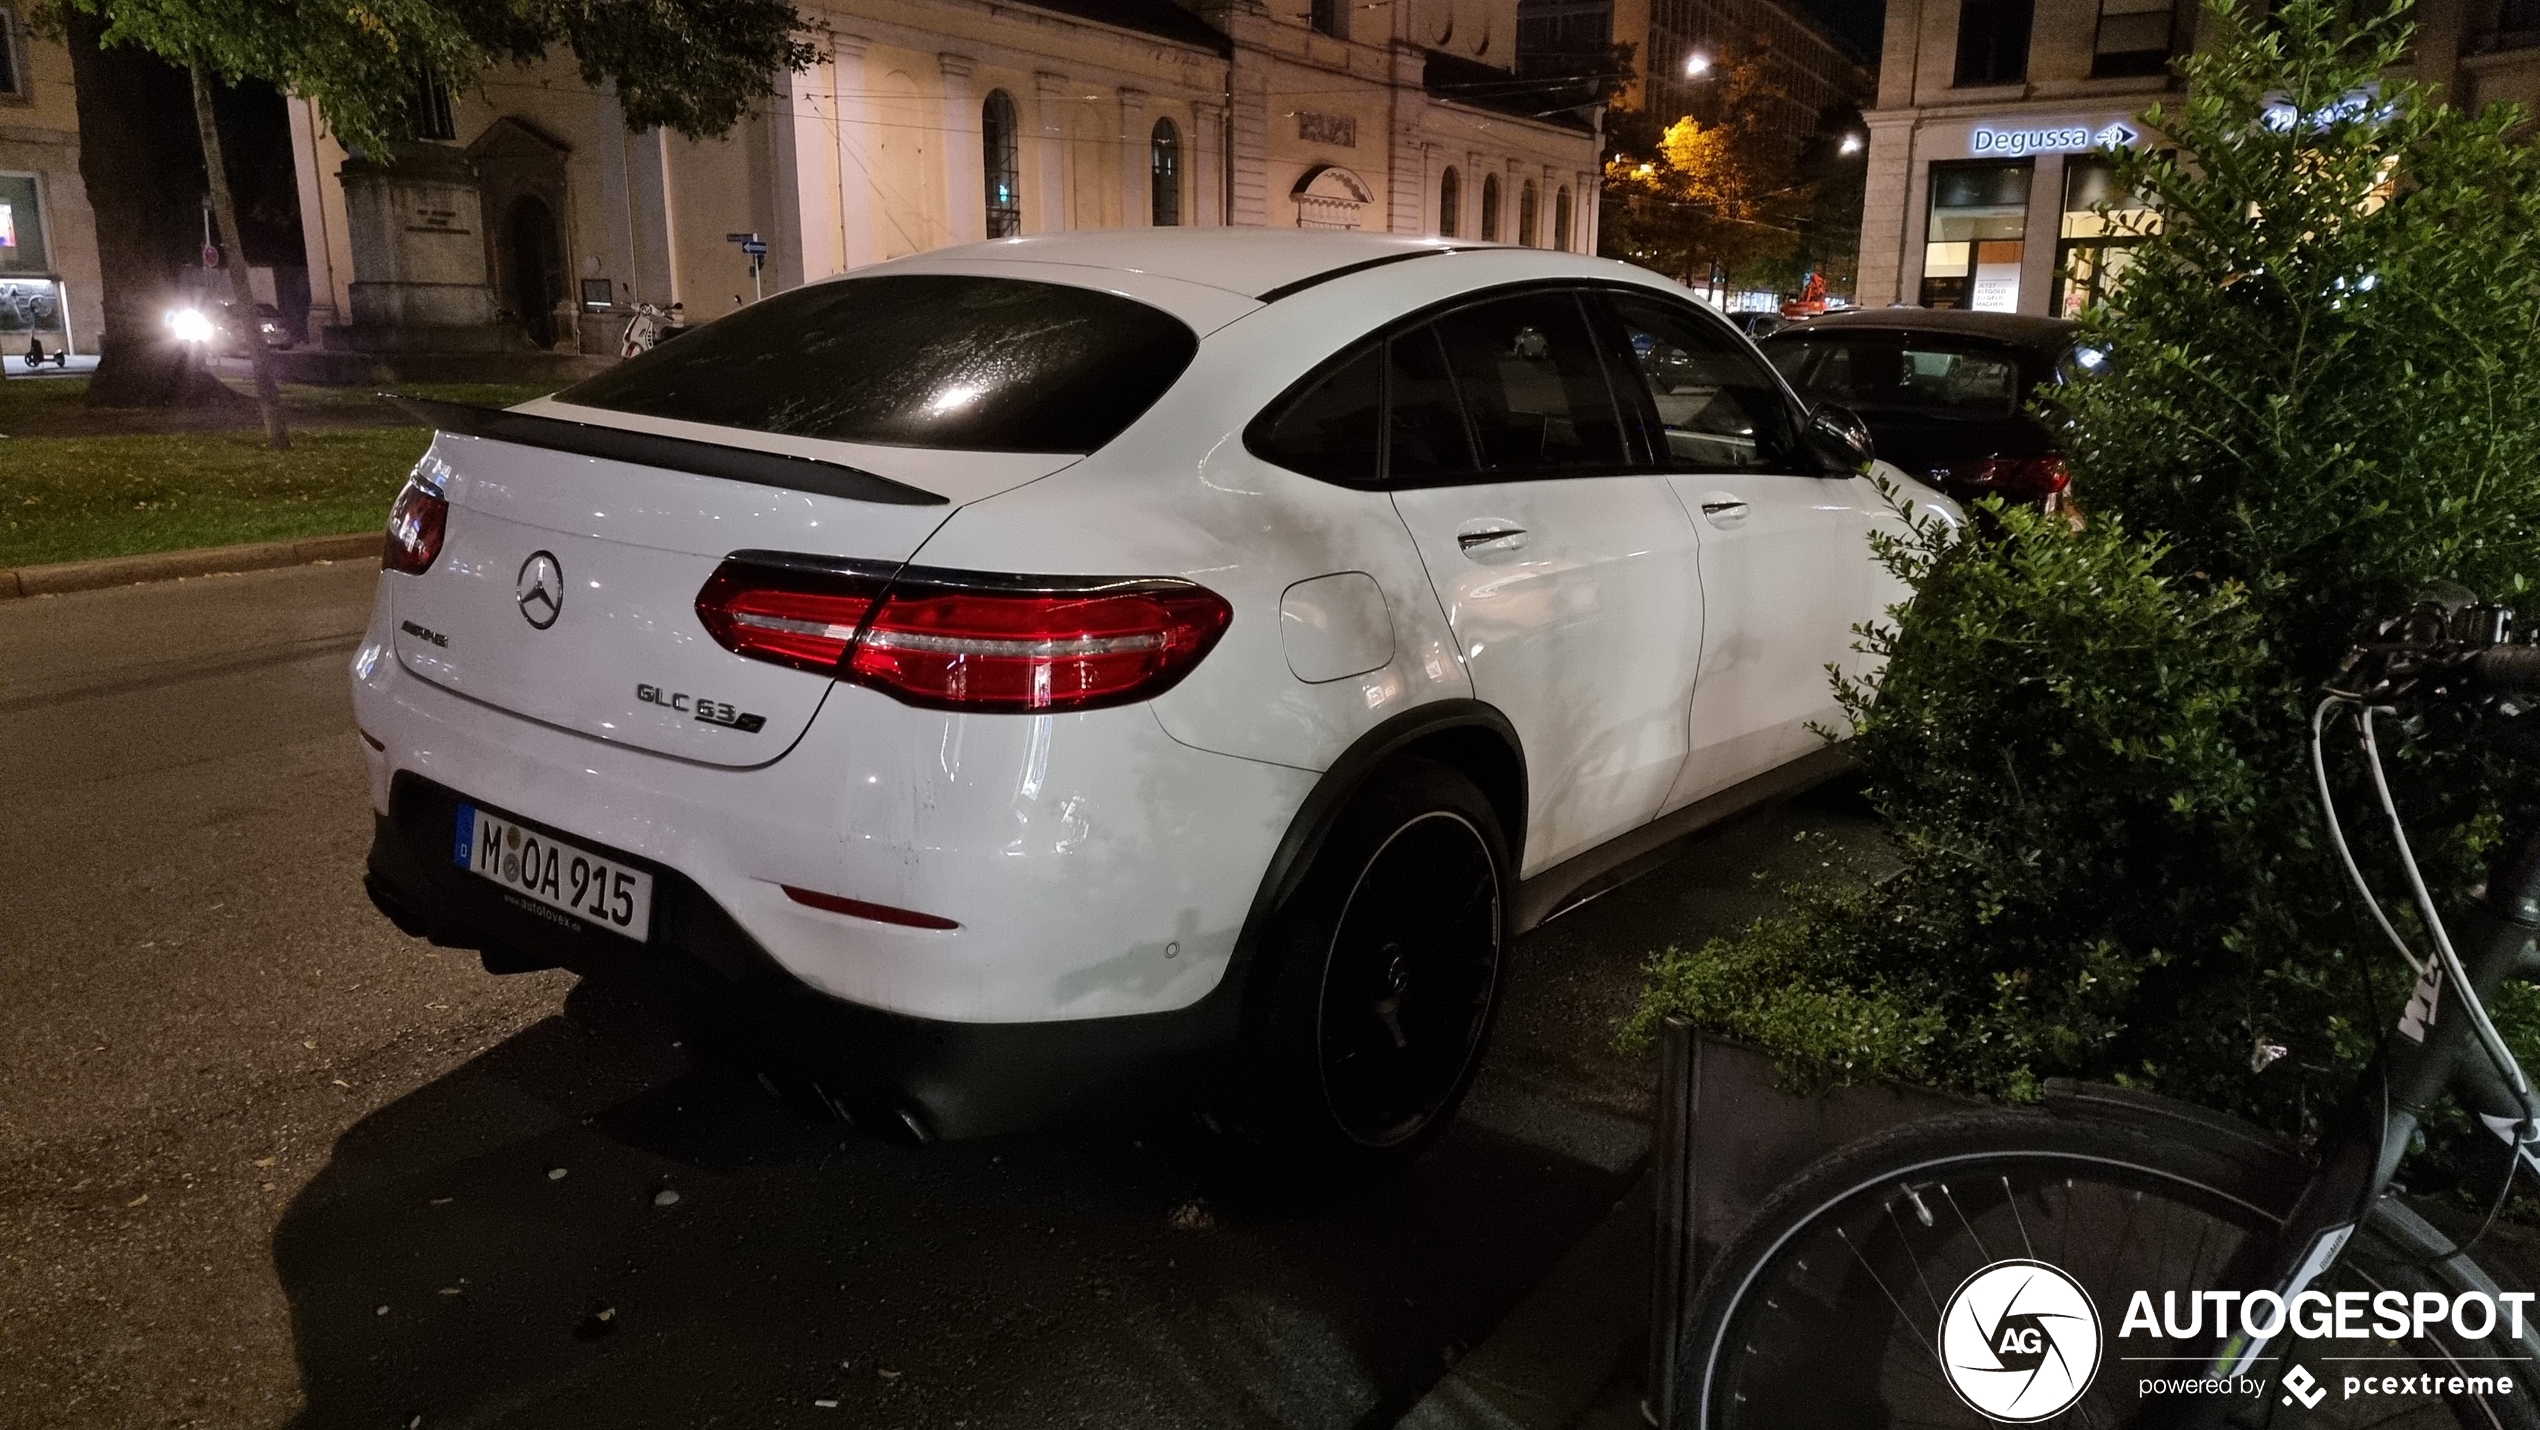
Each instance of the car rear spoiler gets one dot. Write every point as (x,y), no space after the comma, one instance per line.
(678,454)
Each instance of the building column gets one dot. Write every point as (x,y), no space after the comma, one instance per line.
(1547,205)
(1208,164)
(1407,165)
(1583,212)
(1884,206)
(1136,210)
(802,132)
(1512,205)
(855,164)
(325,231)
(2039,235)
(965,181)
(1049,213)
(1468,204)
(1407,182)
(1251,157)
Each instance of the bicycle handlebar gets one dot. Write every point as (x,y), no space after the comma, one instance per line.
(2509,669)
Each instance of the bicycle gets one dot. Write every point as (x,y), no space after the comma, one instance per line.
(1903,1280)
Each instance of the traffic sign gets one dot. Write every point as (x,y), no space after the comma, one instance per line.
(211,255)
(754,246)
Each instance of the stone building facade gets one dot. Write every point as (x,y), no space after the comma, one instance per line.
(1982,180)
(51,289)
(927,123)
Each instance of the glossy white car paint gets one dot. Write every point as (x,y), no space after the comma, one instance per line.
(1649,643)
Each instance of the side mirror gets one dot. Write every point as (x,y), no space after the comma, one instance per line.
(1839,436)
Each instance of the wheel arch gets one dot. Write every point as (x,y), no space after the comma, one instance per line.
(1464,734)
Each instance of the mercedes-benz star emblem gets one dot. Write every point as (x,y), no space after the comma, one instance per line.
(540,589)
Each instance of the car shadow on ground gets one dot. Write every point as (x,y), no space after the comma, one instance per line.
(581,1227)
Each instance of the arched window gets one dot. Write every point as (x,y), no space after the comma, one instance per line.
(1164,174)
(1450,202)
(997,140)
(1526,214)
(1490,208)
(1561,219)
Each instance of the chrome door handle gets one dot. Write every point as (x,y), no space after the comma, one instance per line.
(1723,510)
(1489,536)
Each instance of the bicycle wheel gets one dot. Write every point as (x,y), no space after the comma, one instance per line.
(1897,1283)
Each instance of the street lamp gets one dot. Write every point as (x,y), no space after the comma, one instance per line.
(1850,146)
(1697,65)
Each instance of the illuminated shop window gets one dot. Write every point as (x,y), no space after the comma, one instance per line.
(2100,228)
(21,226)
(1977,237)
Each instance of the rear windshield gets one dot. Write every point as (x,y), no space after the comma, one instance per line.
(915,360)
(1883,372)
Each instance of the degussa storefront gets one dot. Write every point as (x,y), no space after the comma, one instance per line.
(2008,214)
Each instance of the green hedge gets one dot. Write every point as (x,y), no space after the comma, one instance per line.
(2322,389)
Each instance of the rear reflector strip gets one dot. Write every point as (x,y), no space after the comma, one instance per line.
(859,909)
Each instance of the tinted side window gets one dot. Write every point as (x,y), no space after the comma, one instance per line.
(1532,386)
(1332,429)
(915,360)
(1426,423)
(1718,408)
(1889,374)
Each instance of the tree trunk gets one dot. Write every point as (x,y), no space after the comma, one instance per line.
(142,187)
(242,287)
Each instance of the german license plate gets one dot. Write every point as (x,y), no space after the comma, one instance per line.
(564,879)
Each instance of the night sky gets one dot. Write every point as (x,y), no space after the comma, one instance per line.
(1858,21)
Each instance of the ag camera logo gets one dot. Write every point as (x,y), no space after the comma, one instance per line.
(2019,1341)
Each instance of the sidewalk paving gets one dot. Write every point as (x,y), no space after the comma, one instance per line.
(1569,1357)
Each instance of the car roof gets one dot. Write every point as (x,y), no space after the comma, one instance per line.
(2026,330)
(1250,261)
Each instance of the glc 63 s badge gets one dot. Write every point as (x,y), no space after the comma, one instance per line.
(703,710)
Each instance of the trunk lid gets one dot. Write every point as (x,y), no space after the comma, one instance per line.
(566,584)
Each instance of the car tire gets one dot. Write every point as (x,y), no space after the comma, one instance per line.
(1381,975)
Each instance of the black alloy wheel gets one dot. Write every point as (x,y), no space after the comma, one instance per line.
(1408,984)
(1380,974)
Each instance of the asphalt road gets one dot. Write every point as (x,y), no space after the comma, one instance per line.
(264,1161)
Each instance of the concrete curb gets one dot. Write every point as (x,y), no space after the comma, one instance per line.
(173,565)
(1545,1364)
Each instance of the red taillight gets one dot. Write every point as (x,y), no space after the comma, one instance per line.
(2035,477)
(415,524)
(954,641)
(789,615)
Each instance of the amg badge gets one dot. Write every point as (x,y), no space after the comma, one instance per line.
(707,712)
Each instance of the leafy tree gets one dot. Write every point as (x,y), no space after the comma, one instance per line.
(2090,746)
(1682,196)
(695,66)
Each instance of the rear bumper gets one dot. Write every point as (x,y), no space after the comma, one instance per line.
(953,1080)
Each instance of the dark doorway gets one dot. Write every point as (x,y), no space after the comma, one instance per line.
(533,282)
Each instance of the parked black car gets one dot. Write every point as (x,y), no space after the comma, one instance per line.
(1943,392)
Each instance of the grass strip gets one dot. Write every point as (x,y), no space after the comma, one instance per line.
(76,498)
